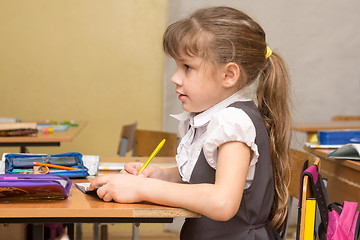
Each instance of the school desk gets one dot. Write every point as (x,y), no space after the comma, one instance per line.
(343,176)
(43,139)
(85,208)
(311,128)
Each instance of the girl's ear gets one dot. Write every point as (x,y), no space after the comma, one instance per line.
(231,73)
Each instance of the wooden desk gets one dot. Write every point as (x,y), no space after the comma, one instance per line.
(43,139)
(311,128)
(86,208)
(343,177)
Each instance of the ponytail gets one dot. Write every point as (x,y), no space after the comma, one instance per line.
(273,103)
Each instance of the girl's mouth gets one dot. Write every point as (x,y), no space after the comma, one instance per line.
(182,97)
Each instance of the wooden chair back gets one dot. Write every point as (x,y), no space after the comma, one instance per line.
(306,192)
(147,140)
(345,118)
(127,139)
(297,159)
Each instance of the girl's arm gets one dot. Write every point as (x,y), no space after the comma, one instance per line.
(219,201)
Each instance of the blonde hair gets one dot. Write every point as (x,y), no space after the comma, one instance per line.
(222,35)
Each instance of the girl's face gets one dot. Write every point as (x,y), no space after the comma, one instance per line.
(198,87)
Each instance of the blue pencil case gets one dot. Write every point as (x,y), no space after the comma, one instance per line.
(339,137)
(16,163)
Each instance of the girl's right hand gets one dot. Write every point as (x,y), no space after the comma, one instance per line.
(149,172)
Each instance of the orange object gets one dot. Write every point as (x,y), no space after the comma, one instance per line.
(54,166)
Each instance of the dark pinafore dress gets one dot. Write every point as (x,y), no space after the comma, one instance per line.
(251,221)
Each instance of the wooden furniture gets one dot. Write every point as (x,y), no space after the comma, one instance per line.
(306,192)
(85,208)
(127,139)
(146,141)
(343,176)
(43,139)
(297,159)
(311,128)
(143,142)
(345,118)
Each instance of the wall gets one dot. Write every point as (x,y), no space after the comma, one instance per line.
(98,61)
(319,41)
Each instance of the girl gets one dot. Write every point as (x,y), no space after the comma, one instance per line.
(233,156)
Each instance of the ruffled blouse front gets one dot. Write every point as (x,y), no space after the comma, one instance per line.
(208,130)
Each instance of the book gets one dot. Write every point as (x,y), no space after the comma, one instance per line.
(348,151)
(319,146)
(310,211)
(337,137)
(18,129)
(84,187)
(119,166)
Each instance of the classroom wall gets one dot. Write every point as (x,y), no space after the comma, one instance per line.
(319,41)
(88,60)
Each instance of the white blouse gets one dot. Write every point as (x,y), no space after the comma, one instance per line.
(210,129)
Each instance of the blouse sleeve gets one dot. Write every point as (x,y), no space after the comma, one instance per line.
(230,124)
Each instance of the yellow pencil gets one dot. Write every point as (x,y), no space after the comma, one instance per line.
(157,149)
(54,166)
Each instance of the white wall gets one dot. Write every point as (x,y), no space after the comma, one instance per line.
(319,40)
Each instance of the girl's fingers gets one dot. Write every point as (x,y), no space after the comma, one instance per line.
(133,167)
(99,181)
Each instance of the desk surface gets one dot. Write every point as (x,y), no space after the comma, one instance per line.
(80,207)
(329,125)
(322,154)
(61,136)
(343,176)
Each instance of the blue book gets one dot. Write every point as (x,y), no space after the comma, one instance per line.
(339,137)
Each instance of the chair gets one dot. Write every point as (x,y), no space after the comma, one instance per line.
(306,192)
(297,159)
(345,118)
(127,139)
(143,142)
(146,141)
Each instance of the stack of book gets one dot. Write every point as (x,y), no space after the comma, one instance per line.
(18,129)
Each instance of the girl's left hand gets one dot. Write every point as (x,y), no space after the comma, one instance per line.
(122,188)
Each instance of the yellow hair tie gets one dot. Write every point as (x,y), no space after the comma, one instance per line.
(268,52)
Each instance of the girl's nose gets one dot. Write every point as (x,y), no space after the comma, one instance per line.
(176,79)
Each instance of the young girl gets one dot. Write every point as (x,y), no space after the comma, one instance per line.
(233,156)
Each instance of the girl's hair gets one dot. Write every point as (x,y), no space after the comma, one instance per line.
(222,35)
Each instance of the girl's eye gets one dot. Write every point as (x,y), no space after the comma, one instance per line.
(187,67)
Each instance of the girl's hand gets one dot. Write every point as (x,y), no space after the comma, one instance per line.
(122,188)
(149,172)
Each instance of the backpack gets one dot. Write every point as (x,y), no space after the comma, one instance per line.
(338,221)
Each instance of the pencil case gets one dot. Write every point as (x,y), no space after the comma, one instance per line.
(337,137)
(24,163)
(26,186)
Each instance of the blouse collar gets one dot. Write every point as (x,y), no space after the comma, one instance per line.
(201,119)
